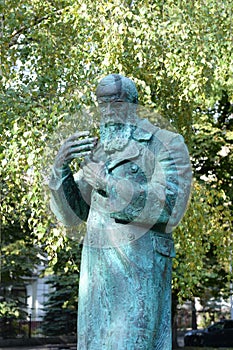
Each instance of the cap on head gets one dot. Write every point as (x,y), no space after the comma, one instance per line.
(116,84)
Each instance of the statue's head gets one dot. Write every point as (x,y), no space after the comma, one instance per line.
(117,98)
(118,87)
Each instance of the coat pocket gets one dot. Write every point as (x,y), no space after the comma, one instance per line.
(164,246)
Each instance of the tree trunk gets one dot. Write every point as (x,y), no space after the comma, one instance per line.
(194,315)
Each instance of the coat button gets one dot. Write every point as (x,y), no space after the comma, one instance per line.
(134,168)
(131,236)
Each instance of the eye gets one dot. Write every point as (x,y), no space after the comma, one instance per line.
(117,104)
(102,106)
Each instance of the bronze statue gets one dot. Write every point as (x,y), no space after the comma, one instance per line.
(132,189)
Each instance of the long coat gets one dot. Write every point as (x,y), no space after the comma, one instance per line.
(125,280)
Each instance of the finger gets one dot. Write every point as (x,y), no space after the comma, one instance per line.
(86,160)
(89,160)
(90,168)
(66,153)
(78,149)
(68,149)
(73,147)
(77,155)
(81,133)
(92,172)
(77,138)
(86,145)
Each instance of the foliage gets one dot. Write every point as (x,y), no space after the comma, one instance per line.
(195,239)
(12,308)
(9,309)
(61,306)
(213,167)
(214,129)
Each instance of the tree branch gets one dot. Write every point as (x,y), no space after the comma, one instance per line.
(16,33)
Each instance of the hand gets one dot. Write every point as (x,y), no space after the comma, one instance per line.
(76,146)
(95,175)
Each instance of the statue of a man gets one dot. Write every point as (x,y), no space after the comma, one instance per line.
(132,189)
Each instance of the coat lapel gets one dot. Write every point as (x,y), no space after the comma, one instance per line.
(131,151)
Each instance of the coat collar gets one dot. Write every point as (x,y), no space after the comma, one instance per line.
(131,151)
(144,130)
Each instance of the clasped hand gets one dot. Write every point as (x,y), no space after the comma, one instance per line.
(79,146)
(94,173)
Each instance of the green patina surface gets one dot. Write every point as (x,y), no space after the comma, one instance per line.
(132,191)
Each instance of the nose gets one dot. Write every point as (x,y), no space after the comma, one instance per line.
(109,113)
(109,109)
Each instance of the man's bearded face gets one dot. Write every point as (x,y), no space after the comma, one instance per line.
(115,137)
(115,127)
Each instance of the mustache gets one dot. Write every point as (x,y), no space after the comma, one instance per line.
(119,125)
(115,137)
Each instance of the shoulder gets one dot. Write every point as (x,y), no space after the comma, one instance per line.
(144,130)
(167,137)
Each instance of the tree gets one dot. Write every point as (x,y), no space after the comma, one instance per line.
(213,166)
(214,129)
(62,303)
(53,54)
(19,257)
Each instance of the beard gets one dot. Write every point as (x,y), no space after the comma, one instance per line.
(115,137)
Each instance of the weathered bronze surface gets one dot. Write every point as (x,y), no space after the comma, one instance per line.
(132,189)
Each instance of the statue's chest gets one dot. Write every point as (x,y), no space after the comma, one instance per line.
(128,170)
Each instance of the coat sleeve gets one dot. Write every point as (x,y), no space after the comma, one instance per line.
(70,198)
(162,198)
